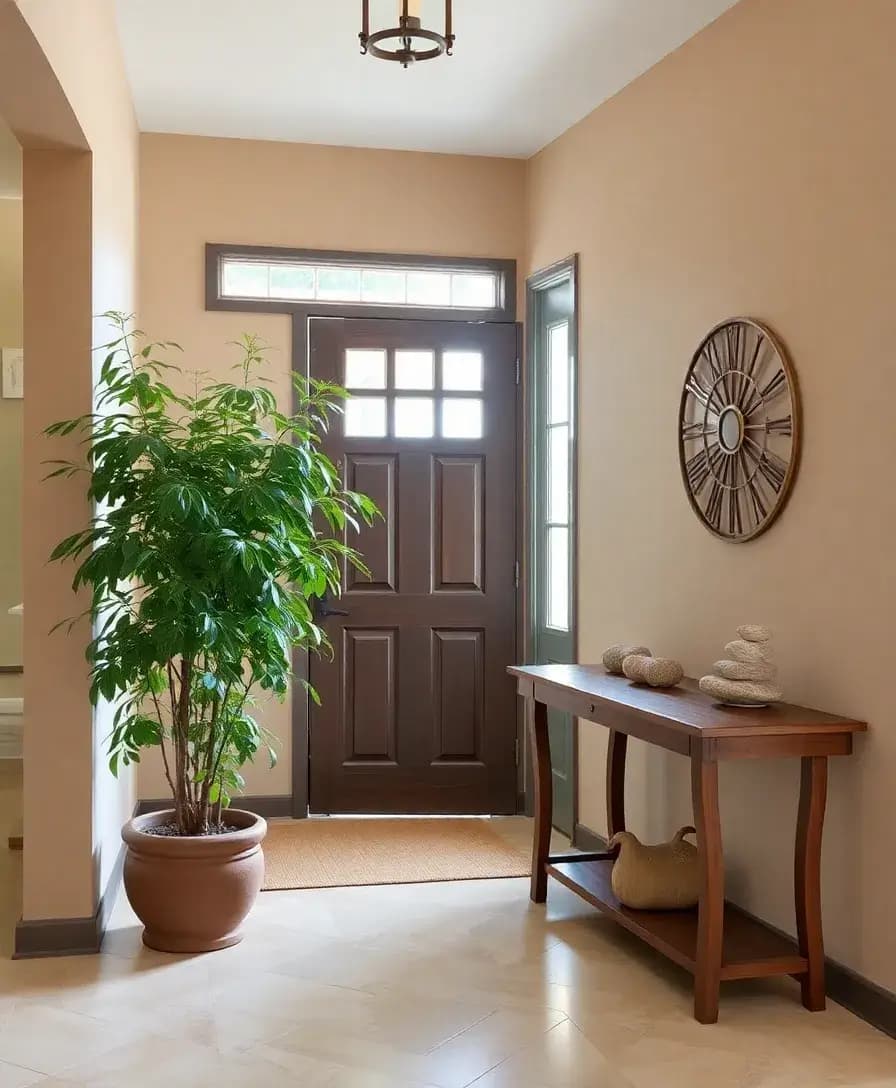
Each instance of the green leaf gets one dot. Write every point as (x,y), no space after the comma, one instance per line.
(210,537)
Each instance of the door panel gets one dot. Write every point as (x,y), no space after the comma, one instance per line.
(458,517)
(417,713)
(459,694)
(369,702)
(375,475)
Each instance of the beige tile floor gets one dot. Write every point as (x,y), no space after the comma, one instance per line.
(440,985)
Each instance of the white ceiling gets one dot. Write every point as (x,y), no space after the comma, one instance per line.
(522,73)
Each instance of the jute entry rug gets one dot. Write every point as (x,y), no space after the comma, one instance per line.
(338,853)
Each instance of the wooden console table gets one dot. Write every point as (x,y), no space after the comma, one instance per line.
(717,941)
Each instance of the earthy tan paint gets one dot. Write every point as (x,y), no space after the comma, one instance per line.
(58,767)
(751,172)
(196,190)
(63,86)
(11,412)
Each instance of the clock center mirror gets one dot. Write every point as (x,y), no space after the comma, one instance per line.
(731,429)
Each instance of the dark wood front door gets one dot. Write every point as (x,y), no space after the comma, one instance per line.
(417,714)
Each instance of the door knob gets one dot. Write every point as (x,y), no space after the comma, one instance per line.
(321,609)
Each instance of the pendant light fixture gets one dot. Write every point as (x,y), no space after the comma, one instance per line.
(410,41)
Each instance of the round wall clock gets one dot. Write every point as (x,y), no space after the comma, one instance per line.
(739,429)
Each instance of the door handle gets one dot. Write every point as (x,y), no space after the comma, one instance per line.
(322,609)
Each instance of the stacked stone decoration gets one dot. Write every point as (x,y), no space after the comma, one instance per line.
(746,677)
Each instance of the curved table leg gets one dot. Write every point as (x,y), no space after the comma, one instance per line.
(807,877)
(711,912)
(541,773)
(616,750)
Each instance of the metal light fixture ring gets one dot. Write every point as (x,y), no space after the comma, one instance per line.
(405,55)
(409,28)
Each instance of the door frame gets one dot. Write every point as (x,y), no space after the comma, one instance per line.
(301,314)
(566,269)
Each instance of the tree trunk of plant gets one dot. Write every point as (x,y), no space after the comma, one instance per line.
(184,808)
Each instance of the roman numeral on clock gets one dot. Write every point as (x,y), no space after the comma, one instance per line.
(774,387)
(691,431)
(759,508)
(773,469)
(735,524)
(713,508)
(697,389)
(700,467)
(784,425)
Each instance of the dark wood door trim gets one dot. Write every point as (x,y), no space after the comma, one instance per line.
(544,278)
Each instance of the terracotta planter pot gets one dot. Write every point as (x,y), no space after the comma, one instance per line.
(192,894)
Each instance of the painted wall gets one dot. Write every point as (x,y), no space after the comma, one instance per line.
(751,172)
(196,190)
(11,413)
(80,191)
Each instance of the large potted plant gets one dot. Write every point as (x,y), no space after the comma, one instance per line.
(217,521)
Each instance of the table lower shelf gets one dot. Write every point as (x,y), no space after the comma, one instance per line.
(750,949)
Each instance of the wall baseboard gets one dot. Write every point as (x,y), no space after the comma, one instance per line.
(57,937)
(70,936)
(583,838)
(866,999)
(269,808)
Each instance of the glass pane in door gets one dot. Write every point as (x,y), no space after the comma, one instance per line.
(558,579)
(558,373)
(558,475)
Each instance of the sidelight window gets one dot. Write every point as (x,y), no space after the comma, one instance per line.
(557,455)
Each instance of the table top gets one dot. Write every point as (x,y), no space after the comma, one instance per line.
(685,708)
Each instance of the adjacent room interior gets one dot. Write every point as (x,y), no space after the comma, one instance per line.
(11,679)
(444,580)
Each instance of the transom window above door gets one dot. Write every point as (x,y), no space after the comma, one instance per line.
(380,286)
(413,393)
(279,279)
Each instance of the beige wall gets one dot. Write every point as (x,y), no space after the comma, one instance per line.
(11,413)
(78,131)
(751,172)
(196,190)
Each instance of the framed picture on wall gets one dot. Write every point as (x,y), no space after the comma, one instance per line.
(12,378)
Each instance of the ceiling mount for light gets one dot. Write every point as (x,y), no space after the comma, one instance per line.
(411,40)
